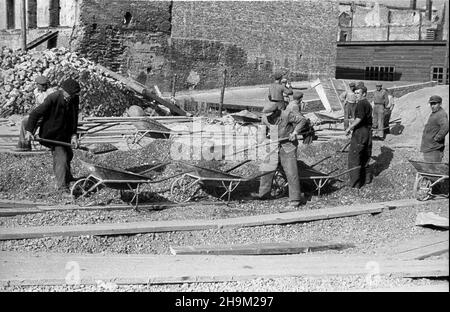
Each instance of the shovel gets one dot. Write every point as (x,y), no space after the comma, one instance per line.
(84,148)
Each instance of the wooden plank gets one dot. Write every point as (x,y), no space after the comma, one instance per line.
(421,248)
(52,269)
(277,248)
(431,219)
(41,39)
(193,225)
(142,90)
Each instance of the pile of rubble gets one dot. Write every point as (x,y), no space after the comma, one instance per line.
(101,95)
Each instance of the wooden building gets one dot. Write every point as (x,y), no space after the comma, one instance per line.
(391,60)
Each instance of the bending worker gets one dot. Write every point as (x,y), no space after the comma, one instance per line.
(282,124)
(360,149)
(59,114)
(40,93)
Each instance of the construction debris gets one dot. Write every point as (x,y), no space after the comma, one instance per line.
(101,95)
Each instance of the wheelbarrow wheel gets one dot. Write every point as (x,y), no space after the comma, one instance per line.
(184,189)
(279,185)
(83,188)
(422,188)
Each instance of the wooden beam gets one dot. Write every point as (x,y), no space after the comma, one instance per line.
(41,39)
(431,219)
(422,248)
(279,248)
(52,269)
(142,90)
(195,225)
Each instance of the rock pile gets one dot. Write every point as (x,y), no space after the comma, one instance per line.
(100,95)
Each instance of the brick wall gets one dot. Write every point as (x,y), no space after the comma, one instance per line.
(130,37)
(298,36)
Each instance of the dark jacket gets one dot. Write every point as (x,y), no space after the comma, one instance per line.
(433,136)
(59,118)
(363,111)
(285,122)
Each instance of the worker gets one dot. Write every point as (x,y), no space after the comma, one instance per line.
(380,101)
(283,124)
(436,128)
(296,105)
(349,100)
(360,149)
(59,113)
(278,91)
(41,91)
(359,85)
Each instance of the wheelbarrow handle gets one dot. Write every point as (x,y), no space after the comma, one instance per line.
(59,143)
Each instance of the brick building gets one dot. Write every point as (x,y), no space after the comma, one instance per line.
(152,41)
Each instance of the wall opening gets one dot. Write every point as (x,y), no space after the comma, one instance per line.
(52,43)
(54,9)
(383,73)
(127,18)
(437,74)
(32,14)
(10,14)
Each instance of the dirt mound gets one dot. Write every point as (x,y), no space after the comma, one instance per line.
(414,110)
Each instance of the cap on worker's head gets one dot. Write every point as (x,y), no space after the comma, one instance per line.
(352,84)
(435,99)
(298,96)
(277,76)
(71,86)
(378,85)
(360,84)
(269,108)
(41,80)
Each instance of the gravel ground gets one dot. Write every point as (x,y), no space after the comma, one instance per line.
(293,284)
(371,235)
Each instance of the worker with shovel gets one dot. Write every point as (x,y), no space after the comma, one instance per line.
(284,127)
(59,114)
(360,149)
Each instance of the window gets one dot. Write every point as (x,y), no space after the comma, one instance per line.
(10,14)
(437,74)
(32,14)
(54,9)
(385,73)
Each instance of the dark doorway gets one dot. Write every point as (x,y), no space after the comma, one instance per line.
(32,14)
(54,13)
(10,14)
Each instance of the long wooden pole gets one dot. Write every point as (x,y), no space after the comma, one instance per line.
(222,92)
(24,25)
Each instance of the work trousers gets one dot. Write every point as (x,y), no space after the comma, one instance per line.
(349,113)
(433,156)
(378,119)
(387,117)
(62,156)
(288,161)
(359,154)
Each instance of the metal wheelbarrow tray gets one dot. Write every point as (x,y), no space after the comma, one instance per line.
(115,178)
(186,187)
(429,179)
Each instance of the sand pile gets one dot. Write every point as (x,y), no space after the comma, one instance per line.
(414,110)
